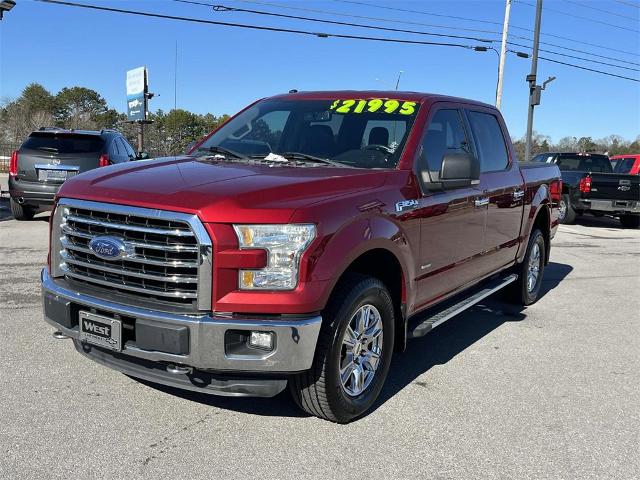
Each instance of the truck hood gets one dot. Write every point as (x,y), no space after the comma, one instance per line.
(219,191)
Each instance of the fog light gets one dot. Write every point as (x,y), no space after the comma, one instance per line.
(262,340)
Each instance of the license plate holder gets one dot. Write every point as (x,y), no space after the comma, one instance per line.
(56,175)
(100,330)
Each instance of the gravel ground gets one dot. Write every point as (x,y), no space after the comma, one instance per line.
(550,391)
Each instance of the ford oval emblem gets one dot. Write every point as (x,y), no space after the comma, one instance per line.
(108,248)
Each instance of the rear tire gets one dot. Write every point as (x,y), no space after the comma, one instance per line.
(344,381)
(21,212)
(569,215)
(630,221)
(526,289)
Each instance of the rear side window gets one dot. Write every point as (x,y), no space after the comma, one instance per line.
(64,143)
(490,142)
(445,134)
(624,165)
(584,163)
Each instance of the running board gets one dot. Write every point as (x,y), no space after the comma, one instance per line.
(451,310)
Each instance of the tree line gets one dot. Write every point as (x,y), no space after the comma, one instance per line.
(83,108)
(170,133)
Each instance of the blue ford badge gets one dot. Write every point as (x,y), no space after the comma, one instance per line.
(108,248)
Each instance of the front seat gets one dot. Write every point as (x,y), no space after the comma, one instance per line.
(318,140)
(379,136)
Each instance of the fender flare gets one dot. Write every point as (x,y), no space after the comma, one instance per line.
(362,235)
(540,202)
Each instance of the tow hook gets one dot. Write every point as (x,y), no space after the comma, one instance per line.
(179,369)
(59,335)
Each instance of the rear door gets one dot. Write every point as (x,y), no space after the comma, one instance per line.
(56,156)
(502,189)
(451,226)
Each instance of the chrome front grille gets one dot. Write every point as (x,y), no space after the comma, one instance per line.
(167,260)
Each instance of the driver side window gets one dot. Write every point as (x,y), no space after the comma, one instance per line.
(445,134)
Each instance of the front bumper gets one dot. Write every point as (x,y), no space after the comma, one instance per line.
(611,206)
(203,342)
(33,193)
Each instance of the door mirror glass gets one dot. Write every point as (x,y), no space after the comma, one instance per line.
(142,156)
(459,170)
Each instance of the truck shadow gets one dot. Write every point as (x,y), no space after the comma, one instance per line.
(436,348)
(456,335)
(604,221)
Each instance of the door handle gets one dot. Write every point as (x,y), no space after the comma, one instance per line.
(481,201)
(518,194)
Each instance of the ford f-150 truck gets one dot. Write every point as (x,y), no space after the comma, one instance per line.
(590,186)
(302,243)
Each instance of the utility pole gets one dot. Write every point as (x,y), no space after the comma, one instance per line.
(503,53)
(534,91)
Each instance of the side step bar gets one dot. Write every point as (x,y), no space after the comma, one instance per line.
(444,313)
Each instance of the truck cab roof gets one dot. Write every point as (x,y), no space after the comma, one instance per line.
(393,94)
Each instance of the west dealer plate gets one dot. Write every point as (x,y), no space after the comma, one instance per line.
(102,331)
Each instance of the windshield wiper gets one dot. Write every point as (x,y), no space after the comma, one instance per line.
(312,158)
(222,151)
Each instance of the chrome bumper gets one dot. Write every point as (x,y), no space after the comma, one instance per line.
(294,346)
(622,206)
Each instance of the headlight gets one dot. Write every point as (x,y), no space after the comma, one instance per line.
(284,245)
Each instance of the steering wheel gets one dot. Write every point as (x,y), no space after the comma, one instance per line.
(380,148)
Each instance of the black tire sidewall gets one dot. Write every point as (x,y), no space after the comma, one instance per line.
(341,403)
(570,213)
(530,297)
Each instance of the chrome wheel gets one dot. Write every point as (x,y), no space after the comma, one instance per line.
(533,270)
(361,350)
(562,210)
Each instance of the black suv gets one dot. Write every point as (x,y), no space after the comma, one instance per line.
(51,155)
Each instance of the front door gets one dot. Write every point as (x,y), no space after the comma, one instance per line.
(452,223)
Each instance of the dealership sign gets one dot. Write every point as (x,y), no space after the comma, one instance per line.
(136,87)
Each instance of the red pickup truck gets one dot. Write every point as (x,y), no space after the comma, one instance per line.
(302,243)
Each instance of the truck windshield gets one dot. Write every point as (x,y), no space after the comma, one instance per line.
(362,133)
(585,163)
(624,165)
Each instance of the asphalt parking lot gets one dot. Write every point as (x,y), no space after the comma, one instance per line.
(551,391)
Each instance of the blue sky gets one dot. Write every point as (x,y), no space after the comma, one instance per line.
(221,69)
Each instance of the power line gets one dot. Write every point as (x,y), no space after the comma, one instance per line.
(364,17)
(560,37)
(406,10)
(573,15)
(634,5)
(576,57)
(589,69)
(254,27)
(374,27)
(223,8)
(602,10)
(300,32)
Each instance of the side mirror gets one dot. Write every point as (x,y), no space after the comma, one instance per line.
(459,170)
(142,156)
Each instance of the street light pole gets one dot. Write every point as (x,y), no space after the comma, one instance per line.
(534,91)
(503,53)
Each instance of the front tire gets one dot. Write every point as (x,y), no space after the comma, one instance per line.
(526,289)
(630,221)
(353,353)
(21,212)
